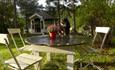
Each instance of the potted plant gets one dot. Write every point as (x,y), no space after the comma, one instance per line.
(52,29)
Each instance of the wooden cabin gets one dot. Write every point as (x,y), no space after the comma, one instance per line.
(39,22)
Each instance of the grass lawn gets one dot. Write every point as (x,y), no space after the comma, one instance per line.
(58,61)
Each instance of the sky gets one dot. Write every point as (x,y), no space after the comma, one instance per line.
(42,2)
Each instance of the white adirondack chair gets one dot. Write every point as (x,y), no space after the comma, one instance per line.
(17,31)
(86,50)
(20,62)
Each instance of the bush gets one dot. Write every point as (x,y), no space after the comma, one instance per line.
(51,66)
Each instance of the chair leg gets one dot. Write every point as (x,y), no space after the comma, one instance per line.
(48,56)
(36,66)
(90,63)
(97,67)
(80,66)
(83,68)
(70,62)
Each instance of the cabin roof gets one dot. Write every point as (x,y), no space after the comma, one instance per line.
(42,15)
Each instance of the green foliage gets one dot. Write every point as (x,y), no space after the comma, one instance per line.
(53,9)
(27,7)
(95,13)
(51,66)
(58,61)
(22,23)
(6,14)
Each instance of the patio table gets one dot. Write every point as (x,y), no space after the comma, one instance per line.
(60,45)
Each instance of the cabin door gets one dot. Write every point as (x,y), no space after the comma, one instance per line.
(37,25)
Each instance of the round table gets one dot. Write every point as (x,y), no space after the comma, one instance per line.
(59,41)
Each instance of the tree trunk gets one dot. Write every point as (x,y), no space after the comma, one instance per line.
(26,18)
(15,15)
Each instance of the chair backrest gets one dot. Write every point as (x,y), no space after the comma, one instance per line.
(3,37)
(13,31)
(4,40)
(104,30)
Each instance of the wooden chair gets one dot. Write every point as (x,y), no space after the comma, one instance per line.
(13,31)
(89,50)
(20,62)
(104,30)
